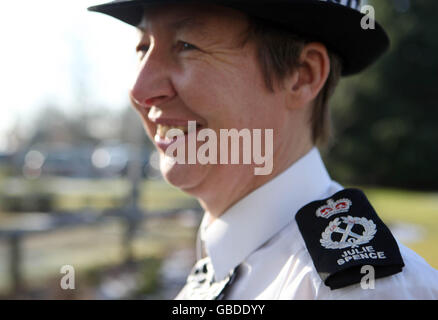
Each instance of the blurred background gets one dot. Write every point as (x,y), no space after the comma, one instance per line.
(79,181)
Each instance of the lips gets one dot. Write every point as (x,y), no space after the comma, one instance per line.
(163,129)
(163,126)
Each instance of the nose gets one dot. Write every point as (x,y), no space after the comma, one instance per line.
(153,85)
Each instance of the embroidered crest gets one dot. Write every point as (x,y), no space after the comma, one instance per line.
(349,238)
(333,207)
(341,246)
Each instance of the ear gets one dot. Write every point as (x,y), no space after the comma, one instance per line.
(309,77)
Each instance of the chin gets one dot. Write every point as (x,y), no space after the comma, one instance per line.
(183,176)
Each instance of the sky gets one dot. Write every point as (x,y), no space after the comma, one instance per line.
(56,52)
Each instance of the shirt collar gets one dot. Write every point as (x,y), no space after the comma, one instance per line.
(257,217)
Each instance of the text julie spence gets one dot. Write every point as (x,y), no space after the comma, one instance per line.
(220,309)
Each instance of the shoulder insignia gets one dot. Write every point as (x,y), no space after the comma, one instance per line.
(342,234)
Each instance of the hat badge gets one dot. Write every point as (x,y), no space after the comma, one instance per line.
(333,207)
(353,4)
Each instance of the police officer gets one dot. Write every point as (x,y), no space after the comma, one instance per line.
(293,233)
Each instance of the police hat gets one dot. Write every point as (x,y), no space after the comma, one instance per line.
(336,23)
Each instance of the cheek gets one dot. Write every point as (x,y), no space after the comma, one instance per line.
(205,92)
(227,99)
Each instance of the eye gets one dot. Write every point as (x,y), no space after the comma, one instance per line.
(185,46)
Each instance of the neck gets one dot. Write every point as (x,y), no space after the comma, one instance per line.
(228,193)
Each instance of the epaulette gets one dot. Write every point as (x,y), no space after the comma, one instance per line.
(342,234)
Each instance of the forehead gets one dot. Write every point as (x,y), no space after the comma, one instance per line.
(198,17)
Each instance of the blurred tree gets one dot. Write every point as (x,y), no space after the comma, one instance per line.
(53,128)
(385,118)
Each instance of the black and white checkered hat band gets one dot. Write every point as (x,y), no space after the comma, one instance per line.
(353,4)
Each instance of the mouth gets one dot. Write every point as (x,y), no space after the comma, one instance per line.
(164,137)
(162,131)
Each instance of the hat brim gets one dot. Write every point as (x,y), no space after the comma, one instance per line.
(337,26)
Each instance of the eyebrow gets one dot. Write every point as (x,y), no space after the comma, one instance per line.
(187,23)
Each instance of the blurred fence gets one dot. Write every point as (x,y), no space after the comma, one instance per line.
(130,215)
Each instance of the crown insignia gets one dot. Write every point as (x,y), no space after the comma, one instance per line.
(333,207)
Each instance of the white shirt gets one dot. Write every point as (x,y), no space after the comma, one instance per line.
(260,234)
